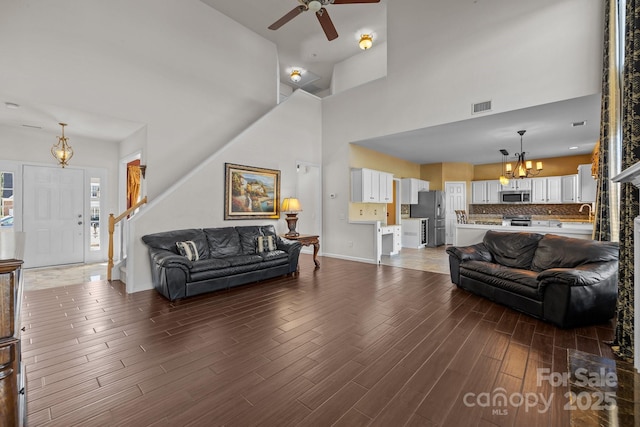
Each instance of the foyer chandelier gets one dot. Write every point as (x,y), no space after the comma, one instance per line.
(523,167)
(62,151)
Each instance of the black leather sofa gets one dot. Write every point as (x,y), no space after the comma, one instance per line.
(566,281)
(226,257)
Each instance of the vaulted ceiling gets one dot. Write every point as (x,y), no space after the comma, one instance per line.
(301,41)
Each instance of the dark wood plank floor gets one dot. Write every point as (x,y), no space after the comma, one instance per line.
(350,344)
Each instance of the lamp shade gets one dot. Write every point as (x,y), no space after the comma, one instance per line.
(291,204)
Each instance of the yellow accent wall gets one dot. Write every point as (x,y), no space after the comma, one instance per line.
(433,173)
(361,157)
(439,173)
(551,167)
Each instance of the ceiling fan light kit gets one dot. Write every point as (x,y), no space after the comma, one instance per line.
(314,5)
(366,41)
(317,6)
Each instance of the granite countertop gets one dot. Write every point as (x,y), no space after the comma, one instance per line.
(497,220)
(573,229)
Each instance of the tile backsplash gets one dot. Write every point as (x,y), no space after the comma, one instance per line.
(553,210)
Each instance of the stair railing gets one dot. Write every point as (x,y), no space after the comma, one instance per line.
(112,226)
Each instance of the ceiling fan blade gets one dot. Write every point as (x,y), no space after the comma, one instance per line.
(288,17)
(355,1)
(327,24)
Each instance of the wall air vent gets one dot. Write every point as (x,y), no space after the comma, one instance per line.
(481,107)
(582,123)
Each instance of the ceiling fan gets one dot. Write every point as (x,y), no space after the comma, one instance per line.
(317,6)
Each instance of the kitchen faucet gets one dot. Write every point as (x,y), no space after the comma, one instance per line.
(590,210)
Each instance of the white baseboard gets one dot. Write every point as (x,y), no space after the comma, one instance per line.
(350,258)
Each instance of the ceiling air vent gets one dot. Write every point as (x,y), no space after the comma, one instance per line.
(481,107)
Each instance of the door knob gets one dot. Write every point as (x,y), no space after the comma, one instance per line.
(79,222)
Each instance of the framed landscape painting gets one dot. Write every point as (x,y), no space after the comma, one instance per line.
(251,192)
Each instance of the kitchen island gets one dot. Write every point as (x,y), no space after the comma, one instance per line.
(469,234)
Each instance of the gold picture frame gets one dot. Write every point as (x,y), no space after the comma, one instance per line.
(251,192)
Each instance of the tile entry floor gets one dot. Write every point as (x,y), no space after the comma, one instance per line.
(426,259)
(63,275)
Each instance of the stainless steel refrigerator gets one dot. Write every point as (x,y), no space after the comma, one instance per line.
(431,204)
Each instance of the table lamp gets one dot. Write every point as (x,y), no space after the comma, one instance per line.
(291,206)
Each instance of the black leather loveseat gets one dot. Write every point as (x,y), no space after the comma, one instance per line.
(210,259)
(566,281)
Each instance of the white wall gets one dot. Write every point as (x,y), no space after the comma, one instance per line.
(444,56)
(309,192)
(33,146)
(197,79)
(289,133)
(194,77)
(364,67)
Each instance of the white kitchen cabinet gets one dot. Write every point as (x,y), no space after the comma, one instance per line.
(386,187)
(365,186)
(569,188)
(478,192)
(391,239)
(415,232)
(554,189)
(410,188)
(538,190)
(371,186)
(546,190)
(517,184)
(483,192)
(493,191)
(586,185)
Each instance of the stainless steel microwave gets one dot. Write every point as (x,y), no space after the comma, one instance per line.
(518,196)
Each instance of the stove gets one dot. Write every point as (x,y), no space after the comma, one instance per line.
(517,220)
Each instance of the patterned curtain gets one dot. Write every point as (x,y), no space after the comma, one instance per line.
(605,161)
(623,344)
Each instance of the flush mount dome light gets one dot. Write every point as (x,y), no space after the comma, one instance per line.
(366,41)
(295,76)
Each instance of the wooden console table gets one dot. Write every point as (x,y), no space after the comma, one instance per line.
(308,240)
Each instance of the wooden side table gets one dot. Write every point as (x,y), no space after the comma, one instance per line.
(308,240)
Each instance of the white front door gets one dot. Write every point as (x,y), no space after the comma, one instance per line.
(53,217)
(456,196)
